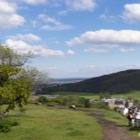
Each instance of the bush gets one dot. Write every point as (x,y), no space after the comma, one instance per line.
(42,99)
(100,106)
(5,125)
(68,100)
(87,103)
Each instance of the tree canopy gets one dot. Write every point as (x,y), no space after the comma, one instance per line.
(16,81)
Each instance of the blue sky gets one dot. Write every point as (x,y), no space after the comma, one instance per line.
(74,38)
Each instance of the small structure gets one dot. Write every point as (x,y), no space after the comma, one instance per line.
(115,102)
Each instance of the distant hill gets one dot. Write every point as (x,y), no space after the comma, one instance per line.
(119,82)
(65,81)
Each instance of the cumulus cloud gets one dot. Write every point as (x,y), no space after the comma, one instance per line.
(81,5)
(126,50)
(97,50)
(22,47)
(107,18)
(88,71)
(26,37)
(33,2)
(107,38)
(52,24)
(70,52)
(8,16)
(132,12)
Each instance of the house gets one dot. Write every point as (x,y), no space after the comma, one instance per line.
(115,102)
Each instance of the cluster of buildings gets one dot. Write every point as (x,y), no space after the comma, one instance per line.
(117,102)
(122,104)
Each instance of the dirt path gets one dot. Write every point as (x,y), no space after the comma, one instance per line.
(111,131)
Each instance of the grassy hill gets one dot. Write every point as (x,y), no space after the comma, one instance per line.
(43,123)
(47,123)
(120,82)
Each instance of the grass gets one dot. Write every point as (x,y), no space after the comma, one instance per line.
(121,121)
(88,95)
(42,123)
(135,95)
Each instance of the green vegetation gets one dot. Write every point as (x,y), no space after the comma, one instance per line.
(6,124)
(120,82)
(63,100)
(16,81)
(81,99)
(100,106)
(41,122)
(96,96)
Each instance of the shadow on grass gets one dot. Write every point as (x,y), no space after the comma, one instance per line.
(19,116)
(134,129)
(122,125)
(75,133)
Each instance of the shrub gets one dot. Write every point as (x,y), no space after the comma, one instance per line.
(87,103)
(5,125)
(42,99)
(100,106)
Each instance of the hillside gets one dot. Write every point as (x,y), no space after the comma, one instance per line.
(119,82)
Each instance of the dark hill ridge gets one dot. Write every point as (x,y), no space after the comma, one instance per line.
(119,82)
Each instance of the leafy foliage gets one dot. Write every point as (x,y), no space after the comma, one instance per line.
(42,99)
(5,125)
(100,106)
(16,82)
(105,95)
(63,100)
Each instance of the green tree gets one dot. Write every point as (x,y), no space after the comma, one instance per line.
(16,81)
(105,95)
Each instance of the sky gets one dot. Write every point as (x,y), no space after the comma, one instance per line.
(74,38)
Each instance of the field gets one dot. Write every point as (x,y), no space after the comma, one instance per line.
(43,123)
(135,95)
(40,122)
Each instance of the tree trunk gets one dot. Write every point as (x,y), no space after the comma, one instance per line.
(5,113)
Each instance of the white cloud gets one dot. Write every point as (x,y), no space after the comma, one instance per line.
(56,27)
(87,71)
(97,50)
(8,16)
(35,2)
(23,47)
(81,5)
(132,12)
(126,50)
(107,18)
(48,19)
(7,8)
(70,52)
(26,37)
(52,24)
(107,38)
